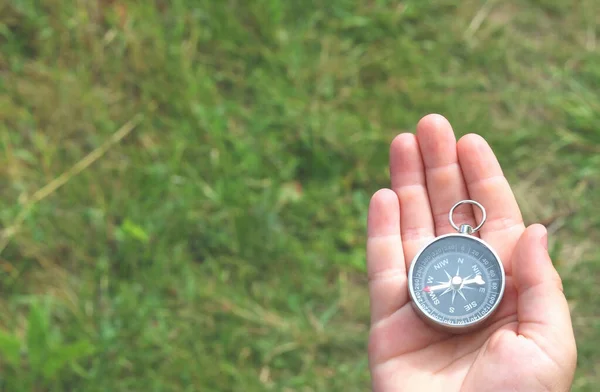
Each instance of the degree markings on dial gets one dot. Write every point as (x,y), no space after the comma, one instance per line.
(481,312)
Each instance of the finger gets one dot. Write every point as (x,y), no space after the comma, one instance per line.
(445,183)
(487,185)
(542,308)
(385,259)
(408,181)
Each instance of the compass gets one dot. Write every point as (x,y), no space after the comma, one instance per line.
(457,281)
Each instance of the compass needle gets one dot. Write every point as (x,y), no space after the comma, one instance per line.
(477,279)
(437,287)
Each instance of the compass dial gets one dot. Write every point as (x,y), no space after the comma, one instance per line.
(456,281)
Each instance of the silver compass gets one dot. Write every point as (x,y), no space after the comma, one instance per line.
(457,281)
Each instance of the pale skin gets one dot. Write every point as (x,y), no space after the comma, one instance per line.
(529,343)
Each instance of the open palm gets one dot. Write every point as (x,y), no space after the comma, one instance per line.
(528,345)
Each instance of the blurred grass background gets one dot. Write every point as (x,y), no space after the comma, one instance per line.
(213,240)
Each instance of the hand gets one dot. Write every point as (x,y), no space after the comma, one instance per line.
(528,344)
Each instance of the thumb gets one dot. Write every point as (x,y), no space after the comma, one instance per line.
(542,309)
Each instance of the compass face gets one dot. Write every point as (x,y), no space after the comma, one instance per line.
(456,281)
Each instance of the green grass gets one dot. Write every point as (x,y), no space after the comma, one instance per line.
(219,246)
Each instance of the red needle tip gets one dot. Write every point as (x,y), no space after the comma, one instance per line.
(426,289)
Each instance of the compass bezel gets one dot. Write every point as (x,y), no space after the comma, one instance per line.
(467,326)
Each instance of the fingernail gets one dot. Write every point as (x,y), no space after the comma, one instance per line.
(544,240)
